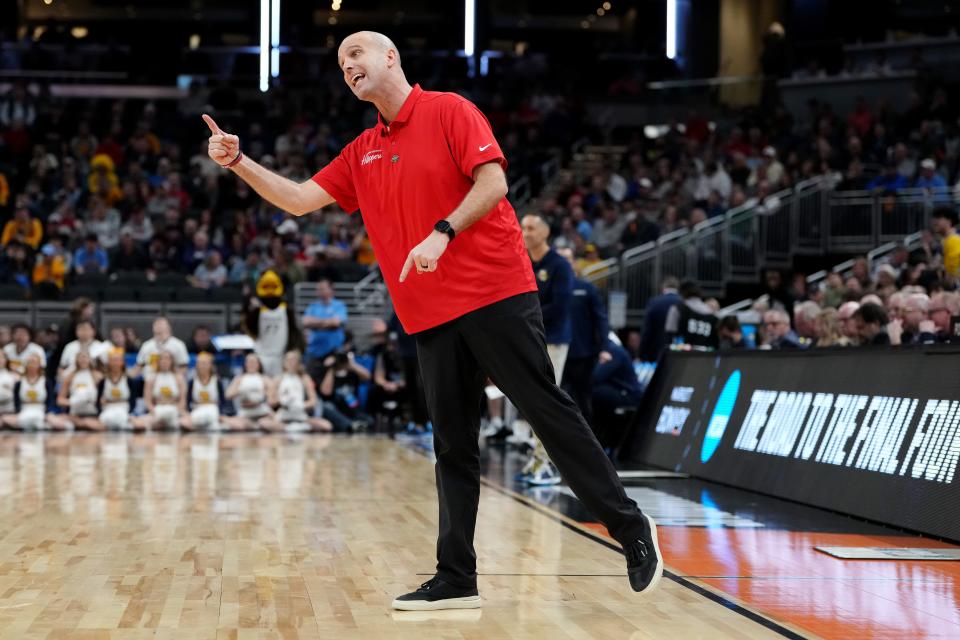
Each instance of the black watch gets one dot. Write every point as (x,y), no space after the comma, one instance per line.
(444,227)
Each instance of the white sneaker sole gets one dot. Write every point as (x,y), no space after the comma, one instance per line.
(468,602)
(656,549)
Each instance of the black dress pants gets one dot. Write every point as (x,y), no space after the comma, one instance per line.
(578,382)
(505,341)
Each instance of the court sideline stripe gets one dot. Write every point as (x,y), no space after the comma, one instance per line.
(702,591)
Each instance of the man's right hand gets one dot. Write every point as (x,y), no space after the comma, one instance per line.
(222,147)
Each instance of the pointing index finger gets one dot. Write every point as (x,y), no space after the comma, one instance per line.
(406,267)
(212,124)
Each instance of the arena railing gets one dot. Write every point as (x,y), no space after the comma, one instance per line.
(857,221)
(845,269)
(731,248)
(220,317)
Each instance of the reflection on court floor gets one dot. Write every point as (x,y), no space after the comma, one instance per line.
(670,510)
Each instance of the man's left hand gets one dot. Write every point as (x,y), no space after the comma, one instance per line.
(425,255)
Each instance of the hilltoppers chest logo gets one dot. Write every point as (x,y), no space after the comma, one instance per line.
(370,156)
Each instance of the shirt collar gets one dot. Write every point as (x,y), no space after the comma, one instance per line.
(411,101)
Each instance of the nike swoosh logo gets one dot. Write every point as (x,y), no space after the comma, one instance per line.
(485,147)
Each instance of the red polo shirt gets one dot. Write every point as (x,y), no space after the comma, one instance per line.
(407,175)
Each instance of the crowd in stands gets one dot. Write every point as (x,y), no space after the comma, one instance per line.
(908,297)
(697,170)
(94,188)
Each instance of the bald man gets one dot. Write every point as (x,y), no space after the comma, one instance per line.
(429,178)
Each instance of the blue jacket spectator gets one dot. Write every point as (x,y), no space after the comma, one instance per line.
(615,386)
(616,379)
(324,320)
(932,181)
(90,258)
(654,336)
(588,321)
(889,180)
(555,286)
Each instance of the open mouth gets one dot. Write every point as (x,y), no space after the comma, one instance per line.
(355,81)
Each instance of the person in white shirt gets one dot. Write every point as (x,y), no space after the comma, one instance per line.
(165,396)
(115,395)
(8,383)
(30,394)
(87,341)
(294,394)
(162,340)
(22,346)
(78,395)
(204,394)
(249,392)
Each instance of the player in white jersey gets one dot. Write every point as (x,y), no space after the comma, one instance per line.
(294,394)
(248,391)
(204,393)
(21,346)
(165,396)
(87,341)
(78,395)
(30,394)
(8,383)
(114,394)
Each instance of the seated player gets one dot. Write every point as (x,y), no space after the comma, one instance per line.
(165,396)
(78,395)
(248,391)
(115,393)
(294,394)
(204,394)
(8,382)
(30,395)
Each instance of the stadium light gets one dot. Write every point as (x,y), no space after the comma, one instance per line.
(264,45)
(469,27)
(275,38)
(672,29)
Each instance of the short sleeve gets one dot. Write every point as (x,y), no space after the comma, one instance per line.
(67,356)
(470,137)
(142,356)
(181,357)
(337,179)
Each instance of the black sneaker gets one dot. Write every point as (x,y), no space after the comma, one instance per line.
(644,561)
(435,594)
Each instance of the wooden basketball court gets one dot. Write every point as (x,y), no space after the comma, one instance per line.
(207,536)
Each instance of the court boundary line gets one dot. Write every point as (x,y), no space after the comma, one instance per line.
(706,591)
(710,593)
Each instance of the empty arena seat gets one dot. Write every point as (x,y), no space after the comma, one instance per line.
(130,279)
(86,291)
(90,279)
(12,292)
(154,293)
(229,293)
(170,280)
(191,294)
